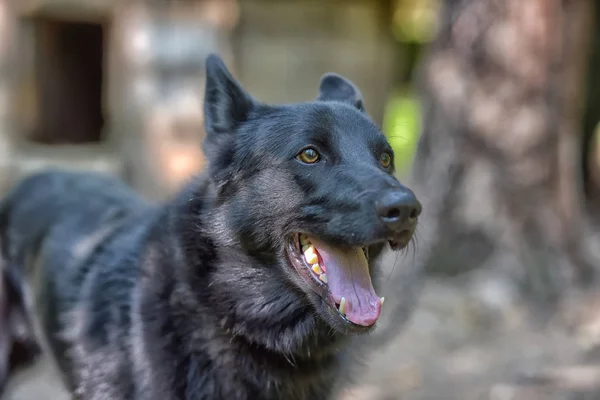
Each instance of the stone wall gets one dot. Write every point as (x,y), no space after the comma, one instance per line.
(153,75)
(6,29)
(152,83)
(283,48)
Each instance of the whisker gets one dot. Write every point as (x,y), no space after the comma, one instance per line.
(393,268)
(414,243)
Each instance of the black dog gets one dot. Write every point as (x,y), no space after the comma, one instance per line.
(243,286)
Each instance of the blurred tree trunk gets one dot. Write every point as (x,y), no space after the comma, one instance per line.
(591,143)
(498,165)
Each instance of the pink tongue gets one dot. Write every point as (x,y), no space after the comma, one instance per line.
(348,276)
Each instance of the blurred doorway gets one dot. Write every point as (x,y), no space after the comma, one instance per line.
(67,74)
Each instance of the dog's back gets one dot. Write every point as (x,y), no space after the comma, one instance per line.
(53,226)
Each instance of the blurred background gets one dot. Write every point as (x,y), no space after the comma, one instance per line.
(492,107)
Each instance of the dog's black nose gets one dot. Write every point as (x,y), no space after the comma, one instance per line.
(398,209)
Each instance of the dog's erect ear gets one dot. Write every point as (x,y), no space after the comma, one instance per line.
(226,103)
(334,87)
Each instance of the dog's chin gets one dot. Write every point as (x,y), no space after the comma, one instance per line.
(317,286)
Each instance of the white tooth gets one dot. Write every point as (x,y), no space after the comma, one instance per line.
(343,306)
(382,300)
(317,269)
(323,277)
(310,254)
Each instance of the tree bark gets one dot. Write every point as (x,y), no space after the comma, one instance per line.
(498,163)
(591,119)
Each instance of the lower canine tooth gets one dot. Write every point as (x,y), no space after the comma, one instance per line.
(323,277)
(343,306)
(317,269)
(382,300)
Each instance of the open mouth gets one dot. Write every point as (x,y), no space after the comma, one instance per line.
(339,275)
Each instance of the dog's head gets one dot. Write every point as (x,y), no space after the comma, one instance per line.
(310,188)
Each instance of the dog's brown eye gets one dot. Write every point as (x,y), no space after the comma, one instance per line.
(308,156)
(385,159)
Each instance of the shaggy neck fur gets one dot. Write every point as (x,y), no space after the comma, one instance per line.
(259,319)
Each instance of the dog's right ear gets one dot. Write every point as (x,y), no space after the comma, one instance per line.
(226,103)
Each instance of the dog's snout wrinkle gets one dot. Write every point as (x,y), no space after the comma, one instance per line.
(398,209)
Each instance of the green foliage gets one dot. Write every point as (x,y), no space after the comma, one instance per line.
(401,125)
(415,20)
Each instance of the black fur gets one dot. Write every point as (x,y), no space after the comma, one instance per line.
(196,298)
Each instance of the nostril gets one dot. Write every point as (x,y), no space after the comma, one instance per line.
(416,211)
(393,213)
(414,214)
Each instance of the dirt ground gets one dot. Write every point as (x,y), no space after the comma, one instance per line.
(459,345)
(38,383)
